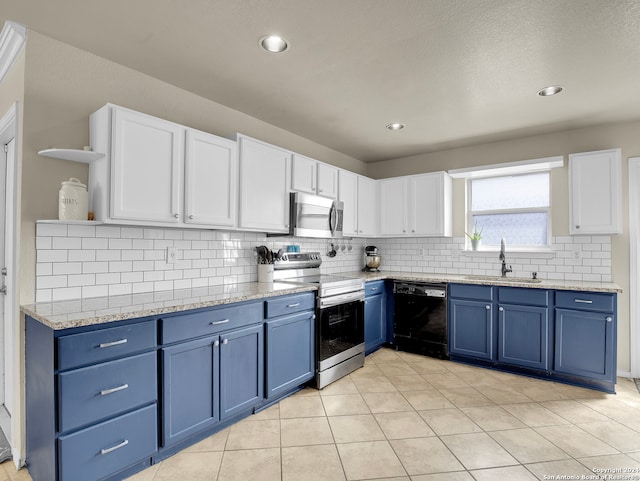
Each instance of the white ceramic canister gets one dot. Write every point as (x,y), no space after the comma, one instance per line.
(265,272)
(73,200)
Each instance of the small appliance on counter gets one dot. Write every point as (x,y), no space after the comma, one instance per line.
(372,259)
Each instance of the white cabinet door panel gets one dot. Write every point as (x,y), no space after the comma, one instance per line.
(146,176)
(367,202)
(393,206)
(211,177)
(348,195)
(303,178)
(327,180)
(264,186)
(425,205)
(596,192)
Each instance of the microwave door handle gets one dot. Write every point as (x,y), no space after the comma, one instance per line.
(333,219)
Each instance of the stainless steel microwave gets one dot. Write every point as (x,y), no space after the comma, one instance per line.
(315,216)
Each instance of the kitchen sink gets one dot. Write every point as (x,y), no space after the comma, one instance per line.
(522,280)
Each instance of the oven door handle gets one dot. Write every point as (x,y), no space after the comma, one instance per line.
(331,301)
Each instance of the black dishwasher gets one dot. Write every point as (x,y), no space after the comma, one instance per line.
(420,318)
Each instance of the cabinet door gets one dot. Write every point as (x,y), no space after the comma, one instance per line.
(348,194)
(523,336)
(241,370)
(471,330)
(375,322)
(585,343)
(290,352)
(327,180)
(427,205)
(189,388)
(211,180)
(393,206)
(303,174)
(264,186)
(146,169)
(367,203)
(596,192)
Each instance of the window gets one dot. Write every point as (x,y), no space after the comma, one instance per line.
(515,207)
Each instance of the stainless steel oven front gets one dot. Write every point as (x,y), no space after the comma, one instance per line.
(340,336)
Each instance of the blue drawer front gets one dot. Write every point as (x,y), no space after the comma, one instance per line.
(289,304)
(210,321)
(588,301)
(104,344)
(94,393)
(470,291)
(103,449)
(521,295)
(373,288)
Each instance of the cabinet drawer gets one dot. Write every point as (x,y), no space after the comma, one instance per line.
(373,288)
(210,321)
(469,291)
(94,393)
(589,301)
(104,344)
(522,295)
(280,306)
(103,449)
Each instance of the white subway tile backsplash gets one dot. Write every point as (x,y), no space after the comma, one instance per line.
(103,260)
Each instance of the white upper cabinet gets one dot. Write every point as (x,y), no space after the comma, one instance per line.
(264,186)
(327,180)
(314,177)
(595,185)
(367,203)
(140,178)
(416,205)
(211,180)
(348,195)
(149,176)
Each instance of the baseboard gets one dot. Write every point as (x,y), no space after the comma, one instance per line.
(623,374)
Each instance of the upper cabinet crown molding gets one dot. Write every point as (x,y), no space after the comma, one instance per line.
(595,187)
(12,39)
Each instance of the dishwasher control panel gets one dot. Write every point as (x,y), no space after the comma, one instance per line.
(419,289)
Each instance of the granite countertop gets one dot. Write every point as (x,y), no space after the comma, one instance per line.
(100,310)
(488,280)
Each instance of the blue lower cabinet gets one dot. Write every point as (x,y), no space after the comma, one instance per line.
(375,322)
(103,449)
(289,357)
(241,370)
(523,336)
(190,388)
(471,329)
(585,344)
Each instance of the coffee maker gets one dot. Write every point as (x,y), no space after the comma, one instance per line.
(372,259)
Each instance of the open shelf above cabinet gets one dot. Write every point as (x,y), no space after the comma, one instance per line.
(75,155)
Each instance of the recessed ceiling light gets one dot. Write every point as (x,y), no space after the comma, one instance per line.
(552,90)
(273,44)
(395,126)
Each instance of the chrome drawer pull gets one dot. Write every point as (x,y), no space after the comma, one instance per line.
(113,448)
(215,323)
(583,301)
(104,392)
(113,343)
(294,305)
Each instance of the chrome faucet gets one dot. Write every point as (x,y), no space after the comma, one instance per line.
(504,269)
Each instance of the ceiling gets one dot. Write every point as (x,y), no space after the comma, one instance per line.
(456,72)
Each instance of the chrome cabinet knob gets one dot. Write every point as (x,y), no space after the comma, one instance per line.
(191,217)
(225,341)
(501,309)
(609,318)
(216,343)
(487,307)
(176,215)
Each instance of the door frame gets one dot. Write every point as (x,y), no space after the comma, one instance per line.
(9,130)
(634,260)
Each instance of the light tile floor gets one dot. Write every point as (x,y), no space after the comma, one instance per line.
(406,417)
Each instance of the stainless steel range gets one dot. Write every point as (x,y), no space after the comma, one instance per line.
(339,314)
